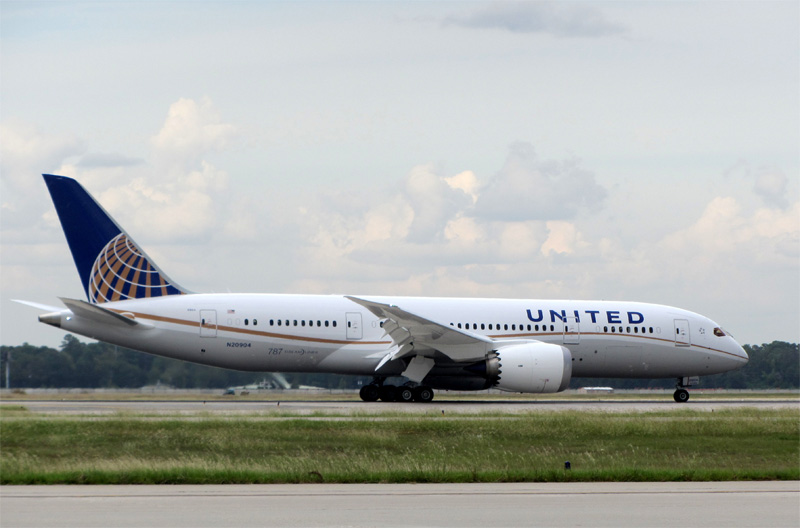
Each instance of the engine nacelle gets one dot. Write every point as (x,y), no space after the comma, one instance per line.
(532,367)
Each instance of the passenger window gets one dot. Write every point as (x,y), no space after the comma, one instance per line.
(246,322)
(505,327)
(255,322)
(513,327)
(483,326)
(334,324)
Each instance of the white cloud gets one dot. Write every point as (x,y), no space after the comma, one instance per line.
(727,235)
(178,197)
(192,129)
(771,185)
(27,151)
(563,237)
(467,182)
(434,201)
(527,188)
(558,19)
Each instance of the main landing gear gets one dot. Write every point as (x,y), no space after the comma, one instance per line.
(405,393)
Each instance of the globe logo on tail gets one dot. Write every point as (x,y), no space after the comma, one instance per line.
(121,271)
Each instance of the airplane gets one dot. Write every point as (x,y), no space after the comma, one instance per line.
(466,344)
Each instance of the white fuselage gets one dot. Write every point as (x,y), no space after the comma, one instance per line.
(313,333)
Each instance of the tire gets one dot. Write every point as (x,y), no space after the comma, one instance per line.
(369,393)
(388,393)
(405,394)
(423,394)
(681,396)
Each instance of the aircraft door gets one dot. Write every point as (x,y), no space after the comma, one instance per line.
(353,325)
(682,337)
(208,323)
(572,331)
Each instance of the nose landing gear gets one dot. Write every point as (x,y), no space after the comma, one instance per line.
(681,395)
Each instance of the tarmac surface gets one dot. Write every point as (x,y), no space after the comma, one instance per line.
(344,407)
(707,504)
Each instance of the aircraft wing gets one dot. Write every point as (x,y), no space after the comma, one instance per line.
(414,335)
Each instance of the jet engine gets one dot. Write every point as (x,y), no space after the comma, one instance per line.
(531,367)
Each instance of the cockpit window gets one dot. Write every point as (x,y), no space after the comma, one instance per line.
(719,332)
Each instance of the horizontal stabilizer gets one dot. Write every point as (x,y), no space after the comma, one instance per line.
(38,306)
(98,314)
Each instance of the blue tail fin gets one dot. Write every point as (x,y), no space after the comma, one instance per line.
(111,265)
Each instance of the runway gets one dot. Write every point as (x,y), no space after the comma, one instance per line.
(710,504)
(347,407)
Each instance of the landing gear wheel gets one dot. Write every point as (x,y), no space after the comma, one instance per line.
(405,394)
(369,393)
(423,394)
(388,393)
(681,395)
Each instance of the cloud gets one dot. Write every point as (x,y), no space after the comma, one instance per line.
(434,201)
(561,20)
(26,151)
(563,237)
(508,227)
(529,189)
(191,130)
(106,160)
(172,196)
(771,186)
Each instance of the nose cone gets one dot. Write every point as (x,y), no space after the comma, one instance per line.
(741,356)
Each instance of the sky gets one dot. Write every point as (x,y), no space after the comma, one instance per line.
(642,151)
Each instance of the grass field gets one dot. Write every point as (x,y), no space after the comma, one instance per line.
(682,444)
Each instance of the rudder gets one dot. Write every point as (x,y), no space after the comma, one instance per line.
(111,266)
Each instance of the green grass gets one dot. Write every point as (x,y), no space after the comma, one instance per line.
(736,444)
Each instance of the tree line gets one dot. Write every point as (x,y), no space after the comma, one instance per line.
(77,364)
